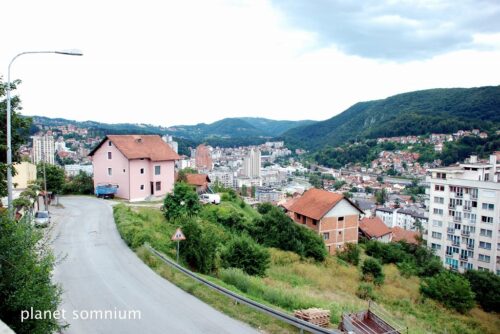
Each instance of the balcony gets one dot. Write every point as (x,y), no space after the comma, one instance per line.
(470,247)
(455,243)
(457,219)
(467,208)
(464,258)
(450,230)
(465,233)
(450,255)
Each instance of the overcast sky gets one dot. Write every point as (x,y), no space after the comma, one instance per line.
(187,61)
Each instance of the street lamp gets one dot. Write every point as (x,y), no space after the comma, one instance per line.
(72,52)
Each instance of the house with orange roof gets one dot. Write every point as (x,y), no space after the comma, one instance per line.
(200,181)
(331,215)
(142,166)
(400,234)
(373,228)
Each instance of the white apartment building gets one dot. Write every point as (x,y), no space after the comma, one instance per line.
(464,214)
(224,177)
(251,164)
(405,218)
(43,149)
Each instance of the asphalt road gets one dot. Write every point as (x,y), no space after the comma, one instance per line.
(99,273)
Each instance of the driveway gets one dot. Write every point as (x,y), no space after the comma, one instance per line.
(107,288)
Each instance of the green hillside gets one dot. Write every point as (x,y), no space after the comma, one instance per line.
(414,113)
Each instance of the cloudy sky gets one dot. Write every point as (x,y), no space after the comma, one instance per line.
(191,61)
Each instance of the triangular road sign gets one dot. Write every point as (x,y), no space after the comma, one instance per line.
(178,235)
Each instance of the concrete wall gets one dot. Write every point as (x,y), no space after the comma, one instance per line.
(25,172)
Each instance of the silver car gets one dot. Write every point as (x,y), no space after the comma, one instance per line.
(42,218)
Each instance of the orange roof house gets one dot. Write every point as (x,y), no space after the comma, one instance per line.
(373,228)
(331,215)
(400,234)
(200,181)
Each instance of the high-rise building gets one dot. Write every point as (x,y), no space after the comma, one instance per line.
(43,149)
(251,164)
(171,142)
(203,158)
(464,213)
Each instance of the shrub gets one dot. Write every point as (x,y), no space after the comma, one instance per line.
(350,254)
(365,291)
(486,286)
(227,216)
(26,266)
(407,268)
(372,271)
(244,253)
(200,249)
(451,289)
(182,203)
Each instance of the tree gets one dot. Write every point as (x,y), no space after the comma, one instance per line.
(82,183)
(26,266)
(253,190)
(315,181)
(182,203)
(244,190)
(244,253)
(182,175)
(372,271)
(381,196)
(54,176)
(486,286)
(19,129)
(451,289)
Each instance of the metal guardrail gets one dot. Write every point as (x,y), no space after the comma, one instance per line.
(301,324)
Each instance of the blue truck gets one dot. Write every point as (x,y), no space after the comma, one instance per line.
(106,190)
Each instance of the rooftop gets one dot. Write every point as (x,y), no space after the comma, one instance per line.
(373,227)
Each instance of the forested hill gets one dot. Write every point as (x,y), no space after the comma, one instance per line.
(414,113)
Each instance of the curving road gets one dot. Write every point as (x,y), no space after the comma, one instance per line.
(100,273)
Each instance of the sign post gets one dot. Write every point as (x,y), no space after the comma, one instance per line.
(178,236)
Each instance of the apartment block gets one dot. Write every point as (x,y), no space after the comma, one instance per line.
(464,214)
(43,149)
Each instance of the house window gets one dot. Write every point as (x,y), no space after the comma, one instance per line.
(340,232)
(439,200)
(142,187)
(486,219)
(438,187)
(315,222)
(109,155)
(488,206)
(142,170)
(486,233)
(436,235)
(436,246)
(124,170)
(158,186)
(485,245)
(304,219)
(484,258)
(438,211)
(341,219)
(326,236)
(109,143)
(157,170)
(110,171)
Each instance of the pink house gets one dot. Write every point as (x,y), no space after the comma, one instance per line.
(141,165)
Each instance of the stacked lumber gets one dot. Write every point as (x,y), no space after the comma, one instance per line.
(315,316)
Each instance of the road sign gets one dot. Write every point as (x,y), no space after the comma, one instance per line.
(178,235)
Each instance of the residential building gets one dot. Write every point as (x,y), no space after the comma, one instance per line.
(141,165)
(25,173)
(43,149)
(464,213)
(200,181)
(224,177)
(203,158)
(331,215)
(270,195)
(251,164)
(407,219)
(373,228)
(171,142)
(73,170)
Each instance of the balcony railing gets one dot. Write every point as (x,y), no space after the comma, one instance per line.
(450,230)
(465,233)
(455,243)
(470,247)
(457,219)
(464,257)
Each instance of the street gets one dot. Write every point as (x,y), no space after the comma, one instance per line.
(105,282)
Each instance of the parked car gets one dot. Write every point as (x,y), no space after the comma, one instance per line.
(42,218)
(210,198)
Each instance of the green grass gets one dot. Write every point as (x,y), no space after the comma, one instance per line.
(291,283)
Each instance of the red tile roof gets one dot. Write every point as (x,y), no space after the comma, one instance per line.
(197,179)
(315,203)
(141,146)
(373,227)
(399,234)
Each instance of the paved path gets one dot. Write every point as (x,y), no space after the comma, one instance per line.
(99,272)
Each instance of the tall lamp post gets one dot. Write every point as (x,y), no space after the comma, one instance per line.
(9,135)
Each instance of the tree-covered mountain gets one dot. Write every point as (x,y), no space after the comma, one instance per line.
(414,113)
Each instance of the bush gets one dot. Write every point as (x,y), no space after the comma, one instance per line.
(486,286)
(82,184)
(245,254)
(26,267)
(227,216)
(451,289)
(200,249)
(350,254)
(276,229)
(182,203)
(365,291)
(372,271)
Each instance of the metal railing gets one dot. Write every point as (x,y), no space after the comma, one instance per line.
(298,323)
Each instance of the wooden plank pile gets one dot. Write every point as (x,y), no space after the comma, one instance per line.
(315,316)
